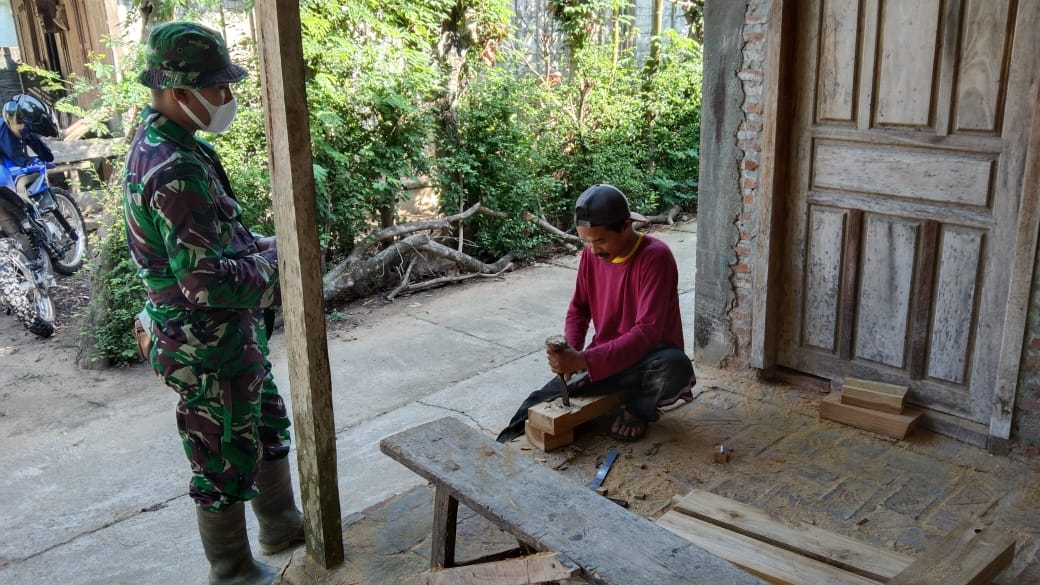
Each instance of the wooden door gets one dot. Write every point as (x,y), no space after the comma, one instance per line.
(908,147)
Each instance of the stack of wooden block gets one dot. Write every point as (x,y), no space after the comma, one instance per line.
(550,425)
(872,406)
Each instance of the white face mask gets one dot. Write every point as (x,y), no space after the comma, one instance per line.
(220,117)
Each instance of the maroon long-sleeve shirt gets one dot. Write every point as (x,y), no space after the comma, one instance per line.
(633,306)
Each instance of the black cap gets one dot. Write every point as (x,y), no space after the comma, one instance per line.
(603,205)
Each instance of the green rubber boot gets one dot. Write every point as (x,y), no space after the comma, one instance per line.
(227,548)
(281,523)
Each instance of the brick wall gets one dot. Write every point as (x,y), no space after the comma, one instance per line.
(749,141)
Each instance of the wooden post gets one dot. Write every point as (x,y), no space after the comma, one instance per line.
(295,214)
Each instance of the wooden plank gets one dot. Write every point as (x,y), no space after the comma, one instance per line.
(909,40)
(1026,217)
(896,172)
(885,423)
(548,511)
(868,64)
(839,37)
(969,555)
(284,95)
(824,281)
(983,55)
(774,564)
(777,101)
(874,395)
(889,249)
(955,299)
(849,282)
(924,294)
(949,32)
(816,543)
(546,441)
(535,568)
(557,419)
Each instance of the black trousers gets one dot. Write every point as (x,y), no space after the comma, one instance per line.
(660,374)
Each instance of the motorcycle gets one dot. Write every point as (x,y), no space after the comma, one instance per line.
(41,227)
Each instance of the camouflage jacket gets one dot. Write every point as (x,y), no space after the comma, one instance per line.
(185,233)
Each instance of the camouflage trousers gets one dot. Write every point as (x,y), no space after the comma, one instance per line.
(230,415)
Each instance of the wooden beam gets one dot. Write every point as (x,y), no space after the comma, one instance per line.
(822,545)
(777,104)
(1024,252)
(536,568)
(849,282)
(893,425)
(299,264)
(547,441)
(969,555)
(774,564)
(874,395)
(556,419)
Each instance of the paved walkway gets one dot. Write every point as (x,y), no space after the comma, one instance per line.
(104,500)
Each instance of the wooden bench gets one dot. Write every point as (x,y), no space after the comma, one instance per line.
(801,554)
(547,511)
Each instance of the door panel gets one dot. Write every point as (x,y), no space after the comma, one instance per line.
(905,87)
(889,249)
(954,304)
(981,77)
(905,178)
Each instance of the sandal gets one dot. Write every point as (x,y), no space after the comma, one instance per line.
(628,427)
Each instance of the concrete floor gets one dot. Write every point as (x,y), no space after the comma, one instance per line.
(104,500)
(901,495)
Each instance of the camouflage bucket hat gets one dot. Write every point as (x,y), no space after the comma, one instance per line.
(186,54)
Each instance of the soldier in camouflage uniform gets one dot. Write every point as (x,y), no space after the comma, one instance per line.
(209,279)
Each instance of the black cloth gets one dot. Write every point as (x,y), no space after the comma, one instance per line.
(662,373)
(552,390)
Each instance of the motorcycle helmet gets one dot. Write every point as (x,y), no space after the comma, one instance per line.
(26,112)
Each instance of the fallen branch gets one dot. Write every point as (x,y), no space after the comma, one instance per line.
(358,276)
(667,217)
(404,281)
(453,279)
(571,240)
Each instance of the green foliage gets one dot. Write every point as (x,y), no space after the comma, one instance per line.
(120,294)
(500,161)
(580,18)
(528,145)
(514,142)
(675,129)
(370,125)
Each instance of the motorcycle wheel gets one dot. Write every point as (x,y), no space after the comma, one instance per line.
(73,258)
(18,290)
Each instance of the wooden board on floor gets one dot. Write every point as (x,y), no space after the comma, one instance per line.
(783,553)
(885,423)
(774,564)
(816,543)
(557,419)
(536,568)
(874,395)
(969,555)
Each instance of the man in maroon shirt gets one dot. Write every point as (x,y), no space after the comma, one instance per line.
(628,289)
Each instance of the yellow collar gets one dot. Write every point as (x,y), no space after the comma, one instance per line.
(635,247)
